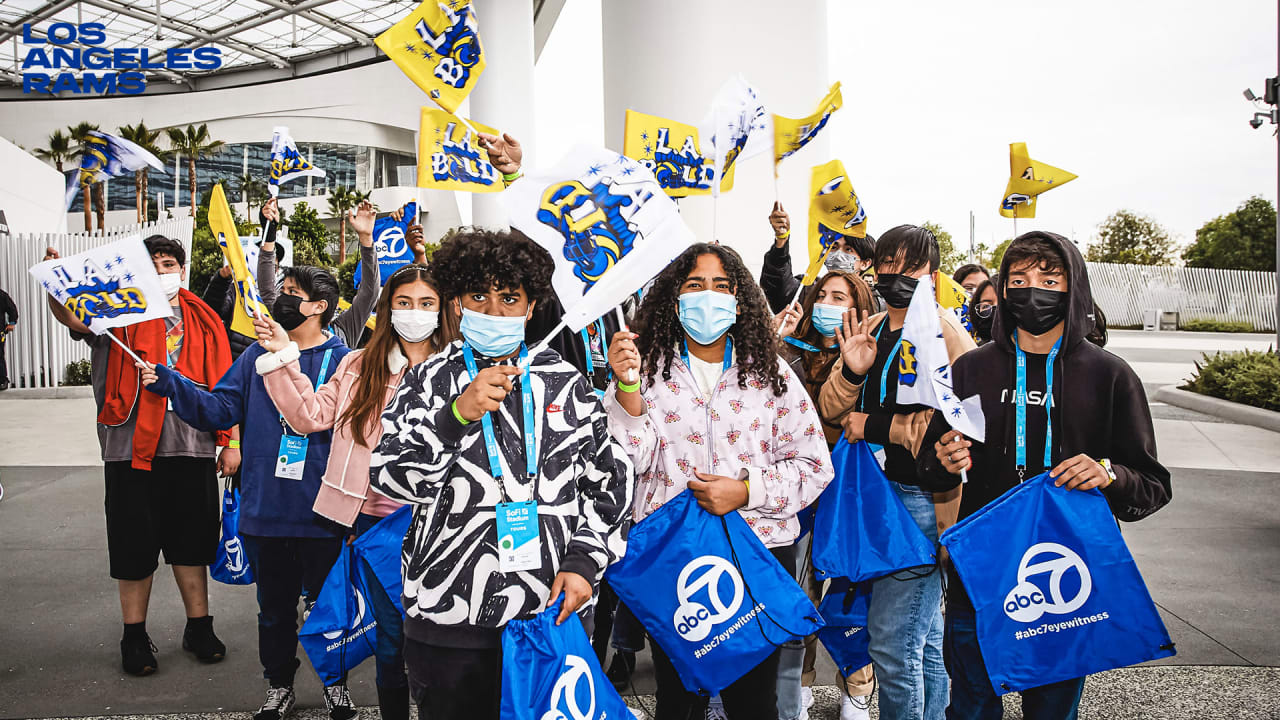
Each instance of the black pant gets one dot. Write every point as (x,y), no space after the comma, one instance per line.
(754,696)
(454,683)
(284,568)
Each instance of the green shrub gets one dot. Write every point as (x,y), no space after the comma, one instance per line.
(77,373)
(1249,377)
(1210,325)
(347,276)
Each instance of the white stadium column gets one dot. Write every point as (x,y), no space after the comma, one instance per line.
(503,98)
(669,57)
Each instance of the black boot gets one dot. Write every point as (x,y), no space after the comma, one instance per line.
(199,640)
(137,652)
(393,703)
(619,672)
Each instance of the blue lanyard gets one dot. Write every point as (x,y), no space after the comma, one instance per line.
(486,422)
(884,373)
(728,354)
(801,344)
(1020,409)
(324,370)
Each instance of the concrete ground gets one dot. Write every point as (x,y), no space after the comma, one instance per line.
(1210,559)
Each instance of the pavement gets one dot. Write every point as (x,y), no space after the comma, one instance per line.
(1211,560)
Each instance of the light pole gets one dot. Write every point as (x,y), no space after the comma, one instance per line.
(1271,96)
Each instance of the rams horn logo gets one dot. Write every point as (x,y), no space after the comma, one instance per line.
(831,185)
(596,234)
(907,370)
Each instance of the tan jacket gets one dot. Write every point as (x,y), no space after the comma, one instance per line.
(838,397)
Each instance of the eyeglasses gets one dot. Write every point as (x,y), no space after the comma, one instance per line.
(984,309)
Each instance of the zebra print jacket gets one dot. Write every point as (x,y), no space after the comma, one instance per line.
(454,594)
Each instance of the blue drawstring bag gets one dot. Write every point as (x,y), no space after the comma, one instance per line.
(380,549)
(1056,593)
(713,598)
(340,633)
(231,564)
(844,610)
(861,529)
(550,672)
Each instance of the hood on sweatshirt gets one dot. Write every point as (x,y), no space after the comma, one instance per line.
(1080,318)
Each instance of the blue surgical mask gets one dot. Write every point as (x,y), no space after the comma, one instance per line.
(492,335)
(708,315)
(826,318)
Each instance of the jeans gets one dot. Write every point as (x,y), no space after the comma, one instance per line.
(791,656)
(387,653)
(905,628)
(973,698)
(454,683)
(284,567)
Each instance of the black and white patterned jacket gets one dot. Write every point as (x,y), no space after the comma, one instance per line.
(454,594)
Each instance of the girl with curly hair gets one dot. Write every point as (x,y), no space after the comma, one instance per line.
(711,407)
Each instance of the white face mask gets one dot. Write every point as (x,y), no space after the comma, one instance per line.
(415,325)
(171,283)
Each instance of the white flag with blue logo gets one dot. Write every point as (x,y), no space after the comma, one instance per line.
(606,222)
(736,127)
(109,286)
(924,368)
(286,162)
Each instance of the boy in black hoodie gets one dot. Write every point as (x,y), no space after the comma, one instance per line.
(1093,430)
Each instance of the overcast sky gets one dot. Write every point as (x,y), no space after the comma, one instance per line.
(1140,98)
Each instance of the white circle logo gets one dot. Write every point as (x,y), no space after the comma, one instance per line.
(235,554)
(693,621)
(1026,602)
(391,242)
(564,696)
(356,623)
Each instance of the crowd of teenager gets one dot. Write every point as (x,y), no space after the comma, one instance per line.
(732,388)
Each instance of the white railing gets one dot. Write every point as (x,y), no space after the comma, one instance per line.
(1125,291)
(40,348)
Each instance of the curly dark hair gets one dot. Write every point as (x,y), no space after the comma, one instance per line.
(478,260)
(661,335)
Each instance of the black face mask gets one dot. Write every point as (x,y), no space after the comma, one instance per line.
(1035,309)
(896,289)
(287,311)
(982,325)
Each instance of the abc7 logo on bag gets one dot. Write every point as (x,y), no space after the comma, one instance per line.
(390,242)
(706,578)
(1026,602)
(564,696)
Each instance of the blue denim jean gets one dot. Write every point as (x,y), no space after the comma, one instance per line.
(905,629)
(388,653)
(791,656)
(973,698)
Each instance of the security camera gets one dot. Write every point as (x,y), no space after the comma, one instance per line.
(1248,95)
(1255,123)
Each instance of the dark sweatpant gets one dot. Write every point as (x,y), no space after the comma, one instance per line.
(454,683)
(285,567)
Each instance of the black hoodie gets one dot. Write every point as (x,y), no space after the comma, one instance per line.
(1099,409)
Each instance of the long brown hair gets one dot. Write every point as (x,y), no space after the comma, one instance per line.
(818,365)
(369,399)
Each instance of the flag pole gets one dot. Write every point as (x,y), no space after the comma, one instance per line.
(1015,220)
(622,323)
(124,347)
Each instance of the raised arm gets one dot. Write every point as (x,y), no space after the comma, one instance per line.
(219,409)
(351,323)
(777,280)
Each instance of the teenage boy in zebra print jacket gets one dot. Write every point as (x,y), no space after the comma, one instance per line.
(464,576)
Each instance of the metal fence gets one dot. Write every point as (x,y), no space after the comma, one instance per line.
(40,348)
(1125,291)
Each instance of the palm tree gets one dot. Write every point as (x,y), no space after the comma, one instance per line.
(193,143)
(145,138)
(341,200)
(80,134)
(59,149)
(252,190)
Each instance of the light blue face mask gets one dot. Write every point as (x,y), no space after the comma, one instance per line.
(826,318)
(492,335)
(708,315)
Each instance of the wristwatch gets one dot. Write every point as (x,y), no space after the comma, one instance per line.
(1111,473)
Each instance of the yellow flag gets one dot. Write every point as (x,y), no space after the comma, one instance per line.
(789,135)
(1027,179)
(672,151)
(438,47)
(834,212)
(223,226)
(951,295)
(372,323)
(450,156)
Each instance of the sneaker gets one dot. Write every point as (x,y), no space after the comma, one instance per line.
(279,703)
(199,640)
(337,700)
(715,709)
(806,697)
(138,655)
(858,708)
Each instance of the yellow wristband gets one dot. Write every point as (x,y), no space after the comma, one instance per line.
(233,444)
(623,387)
(457,414)
(783,236)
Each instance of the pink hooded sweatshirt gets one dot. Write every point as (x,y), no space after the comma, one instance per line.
(775,442)
(344,490)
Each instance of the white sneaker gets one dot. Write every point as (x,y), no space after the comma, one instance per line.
(806,697)
(715,709)
(337,700)
(858,708)
(279,702)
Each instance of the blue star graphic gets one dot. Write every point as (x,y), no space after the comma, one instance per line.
(119,260)
(837,208)
(644,135)
(453,4)
(946,397)
(648,149)
(426,54)
(128,277)
(956,412)
(594,170)
(107,265)
(45,285)
(628,170)
(853,195)
(848,213)
(410,47)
